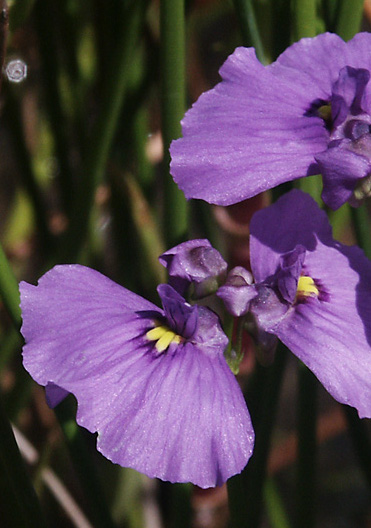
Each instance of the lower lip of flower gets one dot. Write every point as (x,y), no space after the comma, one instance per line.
(163,337)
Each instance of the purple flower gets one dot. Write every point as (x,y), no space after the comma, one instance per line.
(195,262)
(309,112)
(314,294)
(153,383)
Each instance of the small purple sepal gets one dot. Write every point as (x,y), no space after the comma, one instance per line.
(195,262)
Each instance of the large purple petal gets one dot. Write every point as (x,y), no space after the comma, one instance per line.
(178,415)
(333,337)
(312,64)
(248,134)
(294,219)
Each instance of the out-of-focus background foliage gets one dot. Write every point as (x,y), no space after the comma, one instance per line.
(83,110)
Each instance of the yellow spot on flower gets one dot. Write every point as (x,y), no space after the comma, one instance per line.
(306,287)
(164,337)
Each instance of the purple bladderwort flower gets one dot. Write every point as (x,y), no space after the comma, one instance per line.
(152,382)
(311,292)
(307,113)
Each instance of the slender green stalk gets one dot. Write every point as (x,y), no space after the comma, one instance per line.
(9,344)
(361,223)
(19,503)
(249,27)
(83,465)
(19,11)
(276,512)
(329,10)
(100,143)
(311,185)
(359,433)
(9,290)
(26,171)
(281,25)
(245,491)
(172,27)
(306,466)
(46,21)
(349,18)
(304,18)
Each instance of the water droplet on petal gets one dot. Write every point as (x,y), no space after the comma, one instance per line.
(16,71)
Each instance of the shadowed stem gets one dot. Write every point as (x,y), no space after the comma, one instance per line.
(361,223)
(77,446)
(245,491)
(19,505)
(306,467)
(359,434)
(349,17)
(304,18)
(9,290)
(100,143)
(172,25)
(249,27)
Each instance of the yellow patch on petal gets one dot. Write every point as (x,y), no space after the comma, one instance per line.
(306,288)
(164,337)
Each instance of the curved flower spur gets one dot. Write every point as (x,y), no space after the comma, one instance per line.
(307,113)
(153,383)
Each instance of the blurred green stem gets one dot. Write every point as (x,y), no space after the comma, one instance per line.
(245,491)
(349,17)
(274,506)
(361,223)
(172,28)
(306,467)
(249,27)
(99,145)
(45,22)
(304,18)
(359,434)
(9,290)
(78,449)
(12,114)
(19,506)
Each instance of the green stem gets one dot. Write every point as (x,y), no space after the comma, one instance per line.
(274,506)
(14,122)
(361,223)
(104,129)
(306,467)
(359,433)
(249,27)
(82,463)
(172,26)
(10,343)
(9,290)
(19,504)
(304,18)
(349,18)
(45,22)
(245,491)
